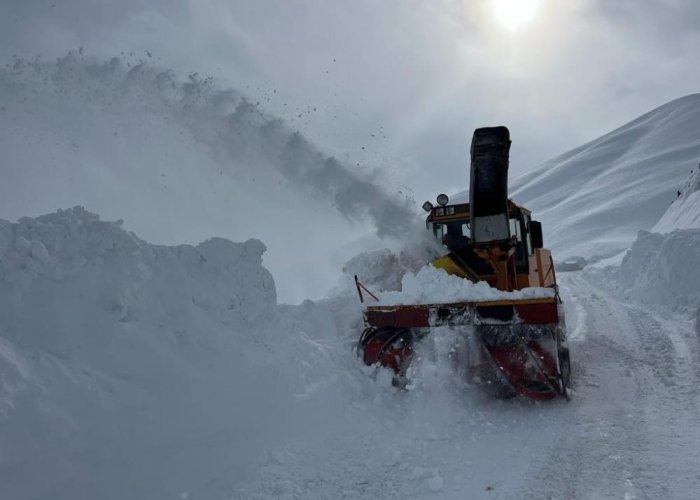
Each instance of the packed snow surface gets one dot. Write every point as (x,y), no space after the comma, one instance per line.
(431,285)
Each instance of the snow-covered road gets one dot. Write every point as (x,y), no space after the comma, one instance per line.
(145,371)
(630,432)
(634,430)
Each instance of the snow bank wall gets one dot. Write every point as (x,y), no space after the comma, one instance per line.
(131,370)
(663,269)
(71,257)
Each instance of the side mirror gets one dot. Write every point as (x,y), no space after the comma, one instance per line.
(536,234)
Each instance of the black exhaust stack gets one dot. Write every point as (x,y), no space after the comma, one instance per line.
(488,190)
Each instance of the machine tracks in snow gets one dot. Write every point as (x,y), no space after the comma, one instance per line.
(634,430)
(629,432)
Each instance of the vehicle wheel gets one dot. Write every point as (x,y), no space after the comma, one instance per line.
(565,372)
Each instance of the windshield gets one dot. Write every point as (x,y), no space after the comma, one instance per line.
(458,228)
(456,233)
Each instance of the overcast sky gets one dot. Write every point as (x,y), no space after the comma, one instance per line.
(400,84)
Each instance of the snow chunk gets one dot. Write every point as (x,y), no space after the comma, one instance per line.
(383,269)
(434,286)
(380,268)
(38,251)
(435,483)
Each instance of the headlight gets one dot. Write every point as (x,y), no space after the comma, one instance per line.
(442,199)
(439,211)
(427,206)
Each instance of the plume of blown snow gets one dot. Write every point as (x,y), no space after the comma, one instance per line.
(184,158)
(384,269)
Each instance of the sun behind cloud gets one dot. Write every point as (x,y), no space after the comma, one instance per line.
(514,14)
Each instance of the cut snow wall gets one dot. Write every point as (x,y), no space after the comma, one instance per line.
(140,371)
(663,269)
(73,253)
(115,352)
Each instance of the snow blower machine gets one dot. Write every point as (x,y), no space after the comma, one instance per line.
(517,344)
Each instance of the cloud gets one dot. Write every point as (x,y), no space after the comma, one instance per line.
(400,84)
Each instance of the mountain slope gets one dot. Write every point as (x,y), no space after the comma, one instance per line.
(593,199)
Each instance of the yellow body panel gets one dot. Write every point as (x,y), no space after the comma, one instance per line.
(450,266)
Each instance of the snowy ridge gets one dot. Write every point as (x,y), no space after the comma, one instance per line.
(593,199)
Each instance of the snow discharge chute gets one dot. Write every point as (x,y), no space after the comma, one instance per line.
(488,193)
